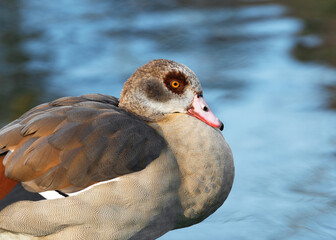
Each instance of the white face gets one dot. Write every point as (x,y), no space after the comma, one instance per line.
(159,88)
(178,104)
(163,87)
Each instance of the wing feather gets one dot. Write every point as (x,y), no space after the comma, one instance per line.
(74,142)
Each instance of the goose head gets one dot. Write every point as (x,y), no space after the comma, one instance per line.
(162,87)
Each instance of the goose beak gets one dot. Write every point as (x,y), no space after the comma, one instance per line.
(200,109)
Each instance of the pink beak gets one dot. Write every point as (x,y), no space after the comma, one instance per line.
(200,109)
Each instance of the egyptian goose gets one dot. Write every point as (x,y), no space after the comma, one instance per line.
(133,168)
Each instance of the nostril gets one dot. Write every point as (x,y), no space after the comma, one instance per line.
(205,109)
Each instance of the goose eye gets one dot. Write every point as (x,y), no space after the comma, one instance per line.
(175,81)
(175,84)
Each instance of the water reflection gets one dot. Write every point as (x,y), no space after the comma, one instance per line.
(331,91)
(273,105)
(316,41)
(21,85)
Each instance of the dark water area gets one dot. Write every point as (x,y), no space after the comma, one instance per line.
(267,69)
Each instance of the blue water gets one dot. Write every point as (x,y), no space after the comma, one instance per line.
(274,108)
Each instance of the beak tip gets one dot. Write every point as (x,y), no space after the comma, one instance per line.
(221,127)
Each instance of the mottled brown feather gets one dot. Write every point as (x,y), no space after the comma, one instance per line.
(74,142)
(10,136)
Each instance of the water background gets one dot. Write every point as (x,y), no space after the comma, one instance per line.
(267,69)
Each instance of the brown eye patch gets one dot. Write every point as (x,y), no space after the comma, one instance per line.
(175,81)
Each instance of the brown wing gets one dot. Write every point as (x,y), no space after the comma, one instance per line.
(74,142)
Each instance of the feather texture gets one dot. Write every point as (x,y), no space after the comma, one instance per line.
(74,142)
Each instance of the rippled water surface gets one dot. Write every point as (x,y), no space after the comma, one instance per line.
(277,111)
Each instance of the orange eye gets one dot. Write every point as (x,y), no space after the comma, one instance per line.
(175,84)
